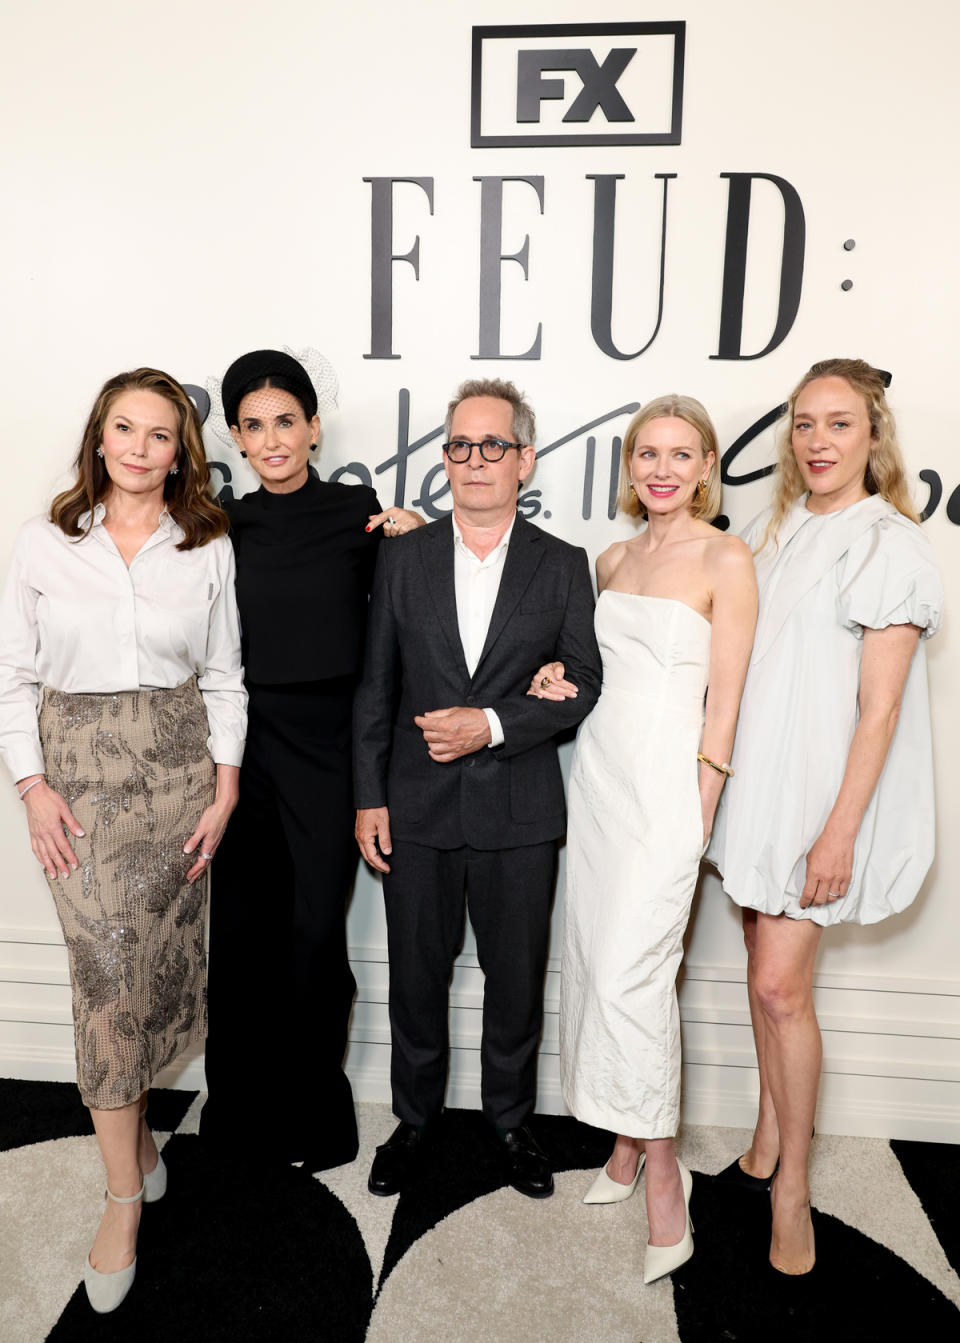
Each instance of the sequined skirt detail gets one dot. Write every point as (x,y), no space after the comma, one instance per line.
(135,770)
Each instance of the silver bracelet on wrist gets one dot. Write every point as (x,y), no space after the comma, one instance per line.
(26,790)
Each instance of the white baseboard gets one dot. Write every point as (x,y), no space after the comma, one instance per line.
(722,1097)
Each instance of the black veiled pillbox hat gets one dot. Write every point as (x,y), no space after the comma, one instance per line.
(251,368)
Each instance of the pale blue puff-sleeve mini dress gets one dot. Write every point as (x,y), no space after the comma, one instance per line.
(827,579)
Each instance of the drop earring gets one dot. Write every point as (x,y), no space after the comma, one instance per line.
(100,452)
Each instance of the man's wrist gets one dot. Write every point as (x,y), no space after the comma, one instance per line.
(495,726)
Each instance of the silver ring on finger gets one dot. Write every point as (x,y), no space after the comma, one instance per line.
(392,522)
(833,895)
(208,857)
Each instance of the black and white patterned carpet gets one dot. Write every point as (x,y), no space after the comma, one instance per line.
(231,1253)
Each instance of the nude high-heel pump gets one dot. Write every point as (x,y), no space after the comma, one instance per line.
(605,1190)
(663,1259)
(105,1291)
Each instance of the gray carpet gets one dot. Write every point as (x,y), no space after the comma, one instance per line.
(470,1262)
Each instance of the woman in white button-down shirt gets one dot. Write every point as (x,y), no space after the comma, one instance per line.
(120,605)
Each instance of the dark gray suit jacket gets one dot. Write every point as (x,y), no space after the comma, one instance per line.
(496,798)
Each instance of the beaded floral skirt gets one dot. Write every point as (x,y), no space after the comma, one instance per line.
(136,772)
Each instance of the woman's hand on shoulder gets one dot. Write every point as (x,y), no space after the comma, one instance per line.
(548,683)
(48,818)
(395,521)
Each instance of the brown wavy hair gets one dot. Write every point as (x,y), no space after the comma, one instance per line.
(705,503)
(885,474)
(186,494)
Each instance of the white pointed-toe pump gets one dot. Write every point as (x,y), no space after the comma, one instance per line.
(663,1259)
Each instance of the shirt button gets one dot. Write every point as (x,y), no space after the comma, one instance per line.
(471,699)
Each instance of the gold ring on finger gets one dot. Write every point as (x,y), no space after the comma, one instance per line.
(544,682)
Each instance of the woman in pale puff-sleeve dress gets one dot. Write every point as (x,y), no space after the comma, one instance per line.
(119,607)
(829,817)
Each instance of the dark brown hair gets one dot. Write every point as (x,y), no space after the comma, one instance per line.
(186,494)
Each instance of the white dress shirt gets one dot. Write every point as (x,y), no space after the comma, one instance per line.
(477,583)
(73,617)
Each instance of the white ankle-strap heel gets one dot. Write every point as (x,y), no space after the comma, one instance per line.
(155,1182)
(105,1291)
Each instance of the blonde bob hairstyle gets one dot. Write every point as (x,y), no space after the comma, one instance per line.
(885,474)
(186,493)
(706,504)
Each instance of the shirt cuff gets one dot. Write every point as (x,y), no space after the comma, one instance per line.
(23,759)
(496,728)
(225,750)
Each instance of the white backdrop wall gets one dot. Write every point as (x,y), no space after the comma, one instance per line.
(186,182)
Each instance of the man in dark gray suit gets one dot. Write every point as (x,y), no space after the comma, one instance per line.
(456,773)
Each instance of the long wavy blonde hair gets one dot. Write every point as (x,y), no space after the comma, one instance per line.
(885,474)
(186,494)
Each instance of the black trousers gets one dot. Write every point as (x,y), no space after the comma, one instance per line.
(508,893)
(280,987)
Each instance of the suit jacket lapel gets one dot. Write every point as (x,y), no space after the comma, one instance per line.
(524,554)
(438,568)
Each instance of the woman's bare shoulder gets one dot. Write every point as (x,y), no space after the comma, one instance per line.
(609,560)
(727,549)
(730,563)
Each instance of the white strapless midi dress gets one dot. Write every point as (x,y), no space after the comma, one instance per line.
(634,841)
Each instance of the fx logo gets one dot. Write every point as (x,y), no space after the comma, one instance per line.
(577,84)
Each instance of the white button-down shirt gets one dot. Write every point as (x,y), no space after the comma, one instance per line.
(477,583)
(73,617)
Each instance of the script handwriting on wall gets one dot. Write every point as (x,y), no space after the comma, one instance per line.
(424,486)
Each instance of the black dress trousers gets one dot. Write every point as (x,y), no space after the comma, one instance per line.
(280,986)
(509,893)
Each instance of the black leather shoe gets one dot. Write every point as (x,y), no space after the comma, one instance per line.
(528,1167)
(395,1160)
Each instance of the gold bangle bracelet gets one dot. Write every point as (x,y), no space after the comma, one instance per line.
(721,769)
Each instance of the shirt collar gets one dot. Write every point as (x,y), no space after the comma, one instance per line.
(164,523)
(99,513)
(499,548)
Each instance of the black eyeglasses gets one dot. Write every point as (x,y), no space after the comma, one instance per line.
(491,449)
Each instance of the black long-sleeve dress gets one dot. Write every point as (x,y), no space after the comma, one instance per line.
(280,985)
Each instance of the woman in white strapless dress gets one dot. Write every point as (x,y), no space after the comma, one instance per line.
(675,622)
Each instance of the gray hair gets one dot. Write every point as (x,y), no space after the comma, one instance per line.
(524,421)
